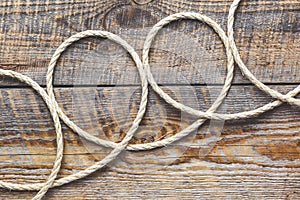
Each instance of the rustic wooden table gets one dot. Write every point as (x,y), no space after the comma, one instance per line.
(97,85)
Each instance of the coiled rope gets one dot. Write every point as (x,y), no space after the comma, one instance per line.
(146,77)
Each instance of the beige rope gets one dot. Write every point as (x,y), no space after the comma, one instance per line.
(145,76)
(59,139)
(275,94)
(209,114)
(53,105)
(142,71)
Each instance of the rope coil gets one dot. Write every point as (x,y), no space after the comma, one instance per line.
(146,77)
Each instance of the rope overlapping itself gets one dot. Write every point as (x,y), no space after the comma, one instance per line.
(146,77)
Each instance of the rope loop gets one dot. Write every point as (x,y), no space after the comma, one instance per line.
(143,67)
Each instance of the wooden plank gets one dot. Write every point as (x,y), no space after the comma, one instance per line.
(252,159)
(267,34)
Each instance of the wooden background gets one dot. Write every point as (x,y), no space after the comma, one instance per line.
(97,85)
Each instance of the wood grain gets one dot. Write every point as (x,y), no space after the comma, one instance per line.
(266,32)
(261,152)
(97,85)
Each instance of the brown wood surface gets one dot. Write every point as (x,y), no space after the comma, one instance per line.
(96,84)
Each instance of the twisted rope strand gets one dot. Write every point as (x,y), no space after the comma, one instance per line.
(143,72)
(53,105)
(209,114)
(43,188)
(145,76)
(275,94)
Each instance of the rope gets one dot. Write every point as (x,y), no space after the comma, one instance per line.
(43,188)
(146,76)
(53,107)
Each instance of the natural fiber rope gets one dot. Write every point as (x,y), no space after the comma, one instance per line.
(275,94)
(146,69)
(209,114)
(145,76)
(53,104)
(59,138)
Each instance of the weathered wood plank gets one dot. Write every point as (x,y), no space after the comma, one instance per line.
(254,158)
(250,159)
(187,186)
(267,34)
